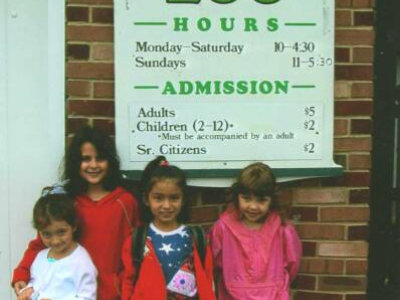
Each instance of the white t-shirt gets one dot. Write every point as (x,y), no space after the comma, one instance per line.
(70,278)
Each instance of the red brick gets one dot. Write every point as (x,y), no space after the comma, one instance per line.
(304,282)
(341,127)
(305,213)
(103,52)
(356,267)
(357,233)
(344,214)
(90,33)
(353,72)
(103,15)
(362,90)
(309,248)
(106,125)
(342,54)
(357,179)
(342,89)
(359,196)
(363,55)
(78,88)
(340,159)
(342,18)
(90,70)
(321,266)
(356,37)
(78,51)
(214,195)
(355,108)
(204,214)
(104,89)
(74,124)
(330,283)
(320,195)
(91,108)
(359,161)
(343,3)
(361,126)
(300,295)
(320,232)
(77,14)
(343,249)
(356,297)
(362,3)
(349,179)
(352,144)
(363,18)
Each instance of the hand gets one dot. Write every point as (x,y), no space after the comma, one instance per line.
(18,286)
(25,294)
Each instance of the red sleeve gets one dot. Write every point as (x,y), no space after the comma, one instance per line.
(22,271)
(128,274)
(135,215)
(208,263)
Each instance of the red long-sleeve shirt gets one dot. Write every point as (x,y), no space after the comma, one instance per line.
(104,225)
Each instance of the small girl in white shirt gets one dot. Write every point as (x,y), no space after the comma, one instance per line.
(64,270)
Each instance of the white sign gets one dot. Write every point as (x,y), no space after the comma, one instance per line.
(217,84)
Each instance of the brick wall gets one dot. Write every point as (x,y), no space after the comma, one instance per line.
(331,214)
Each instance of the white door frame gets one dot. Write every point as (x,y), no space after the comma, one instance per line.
(32,118)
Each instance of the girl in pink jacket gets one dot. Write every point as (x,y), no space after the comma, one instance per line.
(256,250)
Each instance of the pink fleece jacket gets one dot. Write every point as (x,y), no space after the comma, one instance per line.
(254,264)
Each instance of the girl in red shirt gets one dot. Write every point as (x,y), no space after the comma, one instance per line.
(106,211)
(171,267)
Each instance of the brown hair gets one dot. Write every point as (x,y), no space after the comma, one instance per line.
(259,180)
(53,207)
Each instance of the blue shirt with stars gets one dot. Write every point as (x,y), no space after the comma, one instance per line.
(172,248)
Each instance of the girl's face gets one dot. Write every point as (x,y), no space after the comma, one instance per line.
(59,237)
(253,209)
(93,168)
(165,201)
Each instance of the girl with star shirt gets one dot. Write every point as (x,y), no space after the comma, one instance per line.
(171,268)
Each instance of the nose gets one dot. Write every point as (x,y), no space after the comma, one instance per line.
(93,163)
(253,203)
(55,241)
(167,203)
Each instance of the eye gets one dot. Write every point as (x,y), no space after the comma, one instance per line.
(176,197)
(45,234)
(101,158)
(265,199)
(245,197)
(157,197)
(61,232)
(85,158)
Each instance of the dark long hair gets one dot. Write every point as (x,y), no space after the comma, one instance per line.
(158,170)
(105,148)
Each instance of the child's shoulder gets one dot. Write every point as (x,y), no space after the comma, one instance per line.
(123,194)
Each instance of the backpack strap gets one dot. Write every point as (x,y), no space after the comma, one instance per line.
(139,237)
(199,240)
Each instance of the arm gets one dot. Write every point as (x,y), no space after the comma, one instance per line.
(293,250)
(87,289)
(21,274)
(216,247)
(128,275)
(216,244)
